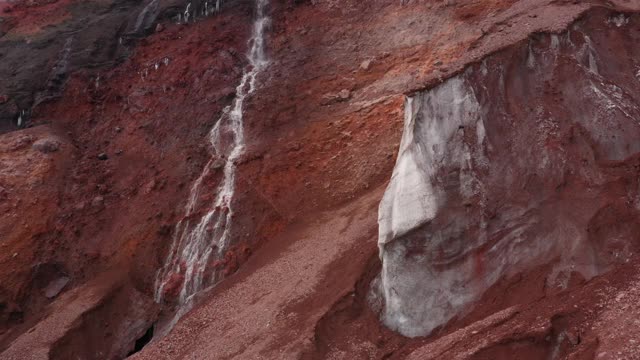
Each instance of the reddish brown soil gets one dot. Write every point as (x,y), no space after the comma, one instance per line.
(28,203)
(350,329)
(309,188)
(88,216)
(30,17)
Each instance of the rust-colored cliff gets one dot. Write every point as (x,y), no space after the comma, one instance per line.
(319,179)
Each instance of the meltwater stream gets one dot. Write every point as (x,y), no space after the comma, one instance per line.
(199,240)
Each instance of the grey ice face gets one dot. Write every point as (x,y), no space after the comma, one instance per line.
(417,296)
(479,191)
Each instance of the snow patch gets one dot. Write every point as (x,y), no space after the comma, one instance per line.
(619,20)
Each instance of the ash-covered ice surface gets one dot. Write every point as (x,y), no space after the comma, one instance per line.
(523,160)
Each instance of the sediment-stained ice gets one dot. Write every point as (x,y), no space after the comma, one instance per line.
(505,167)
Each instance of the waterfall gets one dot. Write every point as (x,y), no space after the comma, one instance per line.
(200,240)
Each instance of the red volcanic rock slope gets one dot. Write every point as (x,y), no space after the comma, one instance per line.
(92,190)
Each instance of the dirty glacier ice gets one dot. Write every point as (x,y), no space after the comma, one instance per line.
(500,170)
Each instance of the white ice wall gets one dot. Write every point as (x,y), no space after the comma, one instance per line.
(418,298)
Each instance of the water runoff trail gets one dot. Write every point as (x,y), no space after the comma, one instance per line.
(200,239)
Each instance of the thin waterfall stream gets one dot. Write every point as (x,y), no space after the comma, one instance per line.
(201,239)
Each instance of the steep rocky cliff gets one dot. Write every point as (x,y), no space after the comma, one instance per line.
(319,179)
